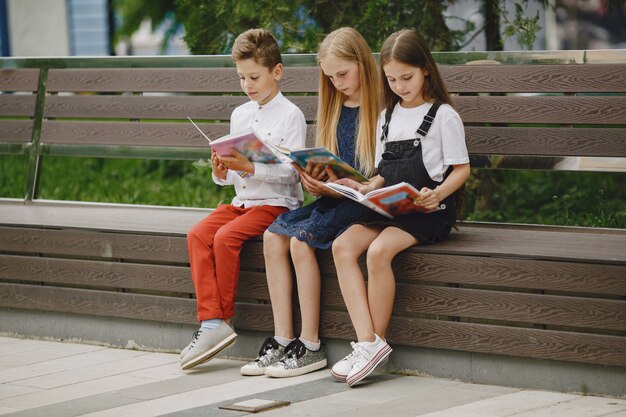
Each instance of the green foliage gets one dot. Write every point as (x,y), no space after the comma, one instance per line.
(594,199)
(130,181)
(212,25)
(13,172)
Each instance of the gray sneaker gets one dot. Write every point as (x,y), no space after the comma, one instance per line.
(185,350)
(270,353)
(298,360)
(207,344)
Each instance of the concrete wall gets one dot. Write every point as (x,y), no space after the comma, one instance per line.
(38,27)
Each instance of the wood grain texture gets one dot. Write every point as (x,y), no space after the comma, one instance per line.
(542,109)
(16,131)
(209,80)
(17,105)
(86,273)
(542,141)
(573,78)
(158,107)
(19,79)
(94,244)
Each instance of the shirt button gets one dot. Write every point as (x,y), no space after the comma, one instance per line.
(244,187)
(269,133)
(256,121)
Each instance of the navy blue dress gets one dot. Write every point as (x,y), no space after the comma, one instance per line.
(320,222)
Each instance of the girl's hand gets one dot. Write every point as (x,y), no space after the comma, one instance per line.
(316,187)
(429,199)
(237,161)
(363,188)
(219,170)
(317,171)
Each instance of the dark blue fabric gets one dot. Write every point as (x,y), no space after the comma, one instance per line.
(319,223)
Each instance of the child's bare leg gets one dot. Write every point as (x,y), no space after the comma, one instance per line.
(381,283)
(347,249)
(279,282)
(309,286)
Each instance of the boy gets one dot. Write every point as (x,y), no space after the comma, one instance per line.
(265,192)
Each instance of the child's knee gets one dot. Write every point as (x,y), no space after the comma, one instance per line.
(378,254)
(343,250)
(299,248)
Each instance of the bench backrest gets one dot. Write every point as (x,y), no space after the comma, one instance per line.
(521,110)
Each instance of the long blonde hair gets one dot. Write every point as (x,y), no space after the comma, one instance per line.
(348,44)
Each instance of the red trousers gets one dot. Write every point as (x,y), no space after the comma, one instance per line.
(214,245)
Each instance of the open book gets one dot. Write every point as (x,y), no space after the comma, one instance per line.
(393,201)
(246,142)
(323,156)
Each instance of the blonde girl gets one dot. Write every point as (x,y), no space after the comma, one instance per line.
(348,111)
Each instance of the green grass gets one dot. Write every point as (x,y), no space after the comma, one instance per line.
(594,199)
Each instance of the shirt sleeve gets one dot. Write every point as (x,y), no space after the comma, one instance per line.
(453,141)
(295,137)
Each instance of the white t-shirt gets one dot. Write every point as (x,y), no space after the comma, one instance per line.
(279,122)
(444,144)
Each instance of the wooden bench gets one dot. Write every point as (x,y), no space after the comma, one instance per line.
(535,292)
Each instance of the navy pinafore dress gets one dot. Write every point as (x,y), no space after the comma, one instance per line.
(402,161)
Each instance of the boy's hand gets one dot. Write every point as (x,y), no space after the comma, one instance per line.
(219,170)
(237,161)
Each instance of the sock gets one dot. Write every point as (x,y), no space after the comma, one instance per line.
(313,346)
(211,324)
(283,341)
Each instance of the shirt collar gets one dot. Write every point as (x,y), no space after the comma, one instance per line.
(270,103)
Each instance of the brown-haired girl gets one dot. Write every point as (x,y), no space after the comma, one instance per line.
(422,142)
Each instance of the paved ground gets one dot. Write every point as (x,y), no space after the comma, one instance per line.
(48,379)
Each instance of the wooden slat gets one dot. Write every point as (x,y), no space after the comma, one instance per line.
(18,131)
(574,78)
(157,107)
(218,80)
(502,340)
(19,79)
(96,273)
(536,242)
(599,142)
(94,244)
(518,307)
(17,105)
(137,134)
(98,303)
(542,109)
(412,266)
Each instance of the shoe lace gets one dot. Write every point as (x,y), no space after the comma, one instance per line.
(360,353)
(295,348)
(269,344)
(195,336)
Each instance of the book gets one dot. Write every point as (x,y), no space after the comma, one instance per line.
(247,142)
(321,155)
(392,201)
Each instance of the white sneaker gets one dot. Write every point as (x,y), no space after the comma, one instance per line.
(207,344)
(369,355)
(341,369)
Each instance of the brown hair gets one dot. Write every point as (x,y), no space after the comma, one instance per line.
(258,44)
(348,44)
(408,47)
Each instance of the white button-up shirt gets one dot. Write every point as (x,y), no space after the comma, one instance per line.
(281,123)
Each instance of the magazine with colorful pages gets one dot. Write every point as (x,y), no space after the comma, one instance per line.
(393,201)
(246,142)
(322,156)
